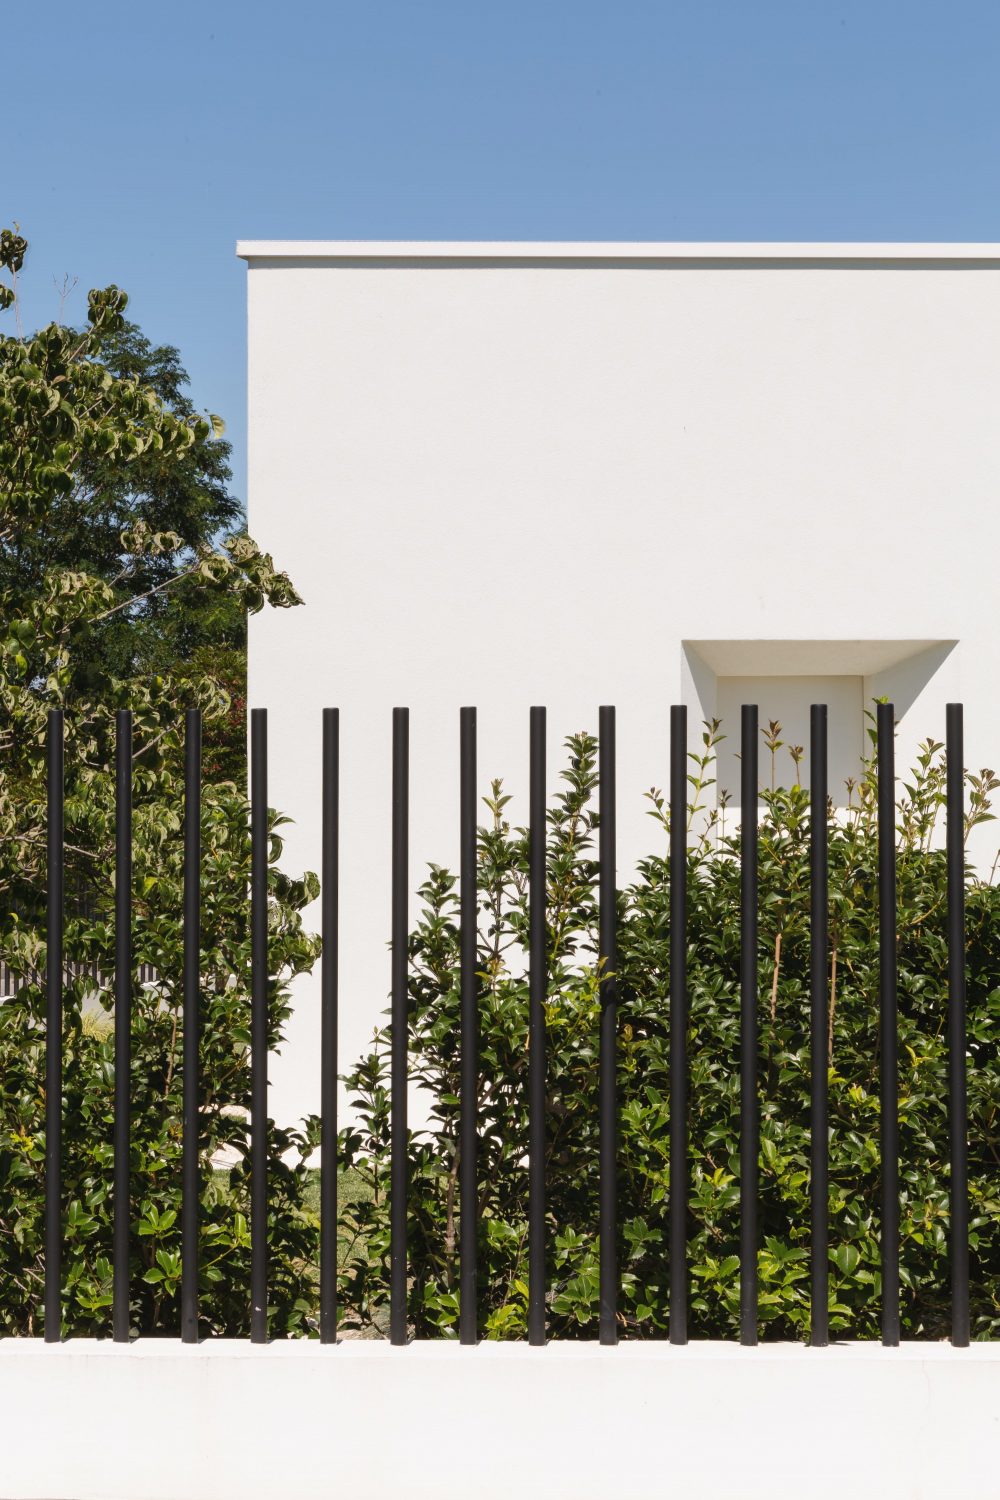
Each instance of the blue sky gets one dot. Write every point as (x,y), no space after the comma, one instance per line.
(141,141)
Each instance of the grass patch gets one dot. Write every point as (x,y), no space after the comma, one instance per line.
(351,1188)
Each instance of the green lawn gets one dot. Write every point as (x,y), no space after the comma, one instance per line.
(350,1189)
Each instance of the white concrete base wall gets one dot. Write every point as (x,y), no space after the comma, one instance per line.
(224,1421)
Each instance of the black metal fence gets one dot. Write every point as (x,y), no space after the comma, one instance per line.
(469,1029)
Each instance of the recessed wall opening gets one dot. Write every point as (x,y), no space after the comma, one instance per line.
(785,701)
(785,677)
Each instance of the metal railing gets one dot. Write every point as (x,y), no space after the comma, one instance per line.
(469,1028)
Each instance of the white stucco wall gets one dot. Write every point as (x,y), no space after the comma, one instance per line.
(571,474)
(228,1420)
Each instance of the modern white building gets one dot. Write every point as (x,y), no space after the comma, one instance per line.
(574,474)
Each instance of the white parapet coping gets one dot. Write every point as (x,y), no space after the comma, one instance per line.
(158,1420)
(680,252)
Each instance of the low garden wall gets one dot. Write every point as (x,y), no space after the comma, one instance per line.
(158,1420)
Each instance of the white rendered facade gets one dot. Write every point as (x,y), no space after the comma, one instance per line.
(581,474)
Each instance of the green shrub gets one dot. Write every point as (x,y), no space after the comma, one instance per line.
(572,1037)
(156,1084)
(713,963)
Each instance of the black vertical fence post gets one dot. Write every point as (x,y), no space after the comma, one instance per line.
(468,1183)
(957,1043)
(819,1062)
(53,1028)
(399,1173)
(678,1026)
(607,1083)
(330,901)
(537,986)
(749,1107)
(120,1292)
(889,1041)
(258,1024)
(192,1026)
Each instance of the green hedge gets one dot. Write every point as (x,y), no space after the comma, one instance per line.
(156,1085)
(572,1037)
(713,965)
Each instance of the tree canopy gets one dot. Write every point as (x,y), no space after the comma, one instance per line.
(110,476)
(124,583)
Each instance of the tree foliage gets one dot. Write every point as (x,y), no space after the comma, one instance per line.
(168,483)
(84,436)
(177,490)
